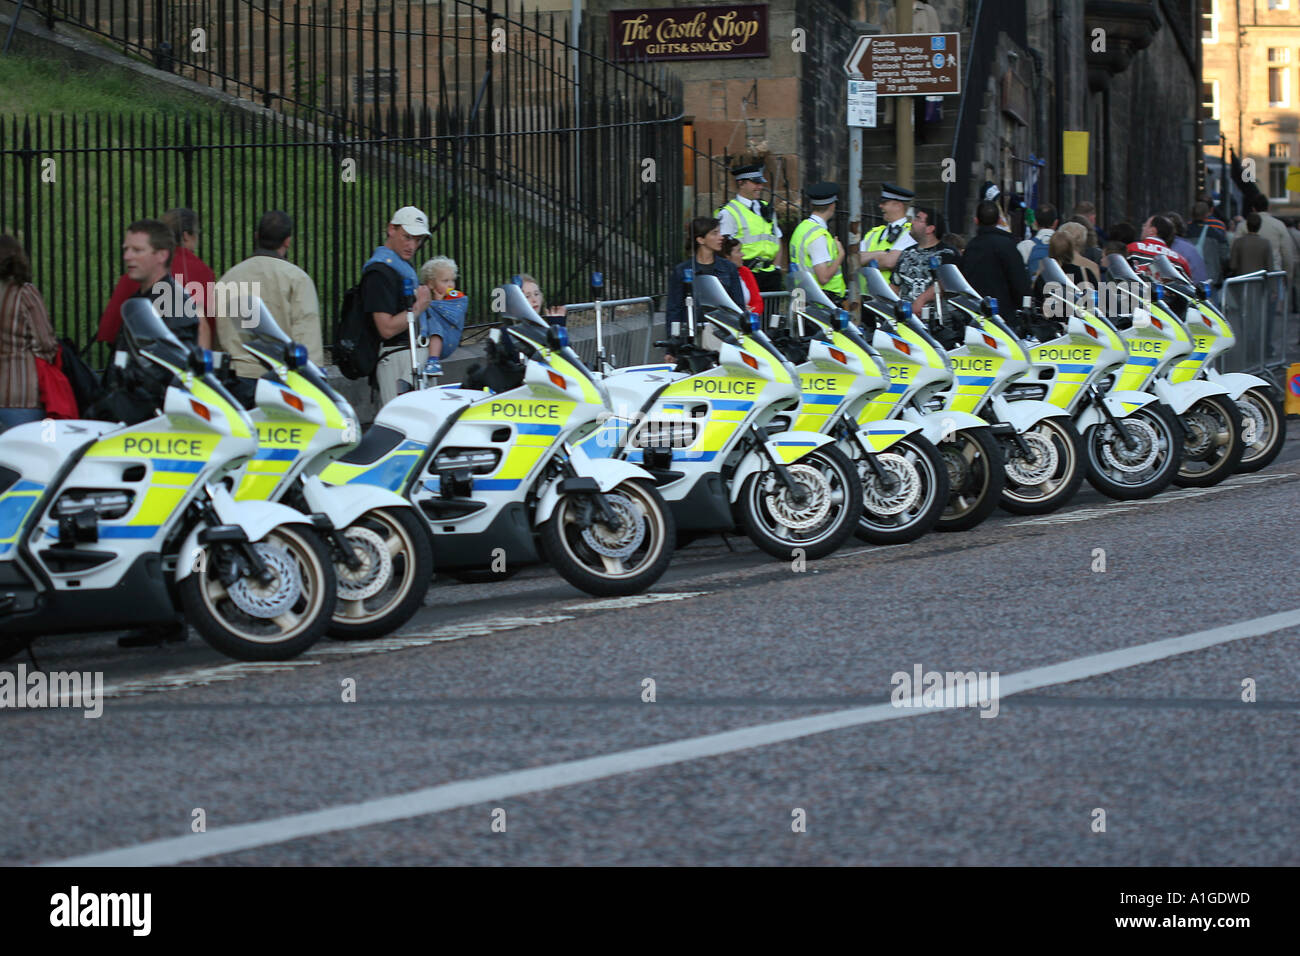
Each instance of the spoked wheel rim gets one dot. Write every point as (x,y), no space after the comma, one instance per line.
(368,593)
(1208,438)
(272,612)
(968,474)
(896,509)
(1053,466)
(1153,440)
(615,553)
(815,520)
(1259,425)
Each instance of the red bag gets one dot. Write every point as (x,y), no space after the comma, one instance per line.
(55,391)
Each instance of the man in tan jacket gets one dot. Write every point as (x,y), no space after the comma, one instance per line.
(287,290)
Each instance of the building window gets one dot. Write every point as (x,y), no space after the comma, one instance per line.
(1279,4)
(1210,98)
(1279,93)
(1279,156)
(1210,21)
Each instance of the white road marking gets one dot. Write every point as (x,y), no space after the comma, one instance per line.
(1178,494)
(450,796)
(636,600)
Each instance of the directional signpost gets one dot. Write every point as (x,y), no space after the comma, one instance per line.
(910,64)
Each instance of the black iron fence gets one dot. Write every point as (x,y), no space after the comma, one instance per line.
(527,153)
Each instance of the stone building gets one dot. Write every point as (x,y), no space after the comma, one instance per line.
(1251,86)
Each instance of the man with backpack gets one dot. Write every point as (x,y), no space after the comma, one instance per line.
(1211,241)
(373,338)
(1034,250)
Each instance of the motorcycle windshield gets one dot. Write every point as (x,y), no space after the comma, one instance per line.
(148,333)
(1170,274)
(518,308)
(711,296)
(256,323)
(877,287)
(813,293)
(953,282)
(1118,268)
(1052,272)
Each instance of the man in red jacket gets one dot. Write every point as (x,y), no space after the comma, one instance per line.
(191,271)
(1157,236)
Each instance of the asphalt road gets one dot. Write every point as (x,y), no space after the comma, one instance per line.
(530,675)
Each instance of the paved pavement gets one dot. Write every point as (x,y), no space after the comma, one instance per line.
(490,707)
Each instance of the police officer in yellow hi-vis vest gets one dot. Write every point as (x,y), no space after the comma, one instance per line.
(753,222)
(886,243)
(814,248)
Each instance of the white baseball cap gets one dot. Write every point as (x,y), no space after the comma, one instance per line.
(412,220)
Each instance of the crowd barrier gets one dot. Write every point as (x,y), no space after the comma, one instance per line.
(1257,305)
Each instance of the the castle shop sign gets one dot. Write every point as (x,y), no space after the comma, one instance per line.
(689,33)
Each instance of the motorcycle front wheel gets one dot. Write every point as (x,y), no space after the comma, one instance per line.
(395,569)
(1263,427)
(605,561)
(263,620)
(908,503)
(1146,465)
(1212,442)
(811,523)
(1050,476)
(976,477)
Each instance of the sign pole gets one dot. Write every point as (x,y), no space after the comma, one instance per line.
(903,114)
(855,204)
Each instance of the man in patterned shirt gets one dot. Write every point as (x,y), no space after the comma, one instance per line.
(913,276)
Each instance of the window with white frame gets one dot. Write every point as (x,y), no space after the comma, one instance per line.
(1279,4)
(1279,92)
(1210,21)
(1279,157)
(1210,98)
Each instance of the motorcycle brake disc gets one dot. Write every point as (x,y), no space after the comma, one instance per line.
(275,597)
(376,565)
(1027,472)
(623,542)
(815,508)
(1139,458)
(907,487)
(1201,430)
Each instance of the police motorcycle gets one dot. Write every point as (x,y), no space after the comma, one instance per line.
(920,374)
(1259,400)
(705,429)
(382,554)
(1043,453)
(1133,441)
(106,526)
(1158,344)
(904,479)
(497,472)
